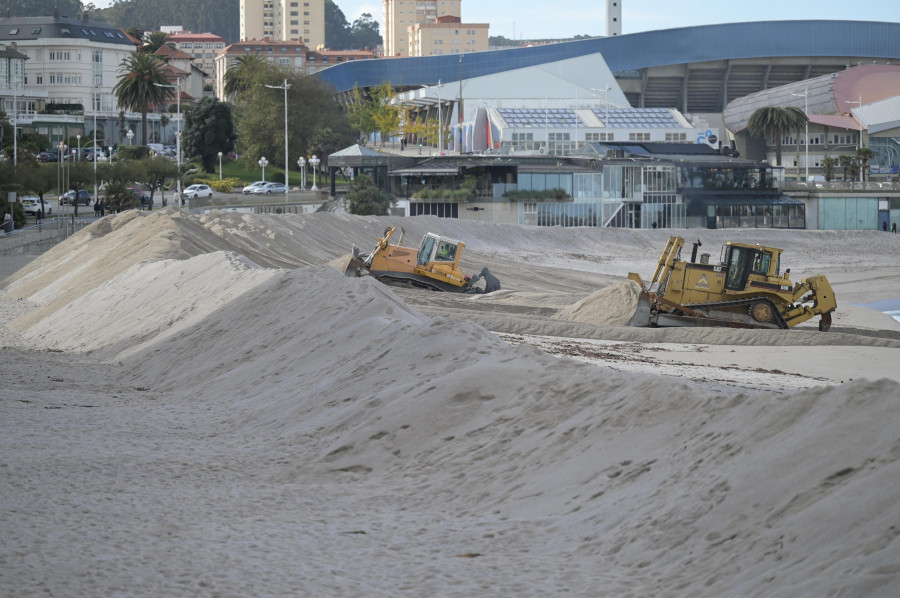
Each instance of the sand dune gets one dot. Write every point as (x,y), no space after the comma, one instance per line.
(203,406)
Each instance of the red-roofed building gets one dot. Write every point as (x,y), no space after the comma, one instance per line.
(291,55)
(202,49)
(840,120)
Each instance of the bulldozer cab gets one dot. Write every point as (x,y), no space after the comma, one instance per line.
(743,260)
(435,248)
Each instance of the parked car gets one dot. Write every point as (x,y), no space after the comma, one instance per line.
(197,191)
(48,157)
(249,188)
(32,206)
(84,197)
(269,189)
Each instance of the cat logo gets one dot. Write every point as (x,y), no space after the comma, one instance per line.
(702,283)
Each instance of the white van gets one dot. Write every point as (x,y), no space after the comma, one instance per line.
(156,148)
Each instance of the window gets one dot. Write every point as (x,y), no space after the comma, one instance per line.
(639,137)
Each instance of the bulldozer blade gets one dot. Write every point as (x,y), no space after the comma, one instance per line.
(491,282)
(356,268)
(641,317)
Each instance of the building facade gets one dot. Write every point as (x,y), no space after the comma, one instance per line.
(201,47)
(67,81)
(447,35)
(400,15)
(293,56)
(300,21)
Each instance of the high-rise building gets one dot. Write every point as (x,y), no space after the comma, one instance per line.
(613,18)
(446,35)
(300,21)
(400,15)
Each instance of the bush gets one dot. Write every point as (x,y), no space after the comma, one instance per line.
(366,199)
(223,186)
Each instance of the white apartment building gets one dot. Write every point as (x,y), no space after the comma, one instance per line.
(400,15)
(300,21)
(71,68)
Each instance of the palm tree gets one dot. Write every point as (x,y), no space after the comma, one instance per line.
(775,121)
(136,90)
(863,155)
(240,75)
(154,41)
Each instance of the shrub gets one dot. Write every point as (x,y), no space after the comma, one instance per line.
(546,194)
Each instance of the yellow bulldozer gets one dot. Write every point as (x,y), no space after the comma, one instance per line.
(744,289)
(434,265)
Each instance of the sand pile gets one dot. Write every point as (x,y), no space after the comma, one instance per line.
(610,306)
(237,430)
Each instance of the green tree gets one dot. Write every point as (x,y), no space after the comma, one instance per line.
(137,89)
(863,155)
(775,121)
(327,141)
(208,130)
(361,113)
(38,179)
(849,166)
(828,165)
(364,33)
(243,73)
(259,115)
(118,198)
(80,177)
(156,172)
(365,199)
(385,111)
(153,41)
(37,8)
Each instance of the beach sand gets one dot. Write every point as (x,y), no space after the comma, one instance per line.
(202,405)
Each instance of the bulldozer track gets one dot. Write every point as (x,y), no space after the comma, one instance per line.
(729,305)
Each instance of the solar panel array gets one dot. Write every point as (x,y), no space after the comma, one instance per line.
(638,118)
(540,117)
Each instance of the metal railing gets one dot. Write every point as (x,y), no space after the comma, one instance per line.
(841,186)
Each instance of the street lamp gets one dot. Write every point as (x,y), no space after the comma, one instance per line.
(263,162)
(177,88)
(220,166)
(805,96)
(314,164)
(130,135)
(301,162)
(285,87)
(94,149)
(78,156)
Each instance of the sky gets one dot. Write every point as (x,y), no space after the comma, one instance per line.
(532,19)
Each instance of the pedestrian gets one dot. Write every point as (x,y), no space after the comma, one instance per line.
(884,225)
(894,228)
(96,208)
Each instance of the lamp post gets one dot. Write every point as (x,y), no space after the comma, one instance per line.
(285,87)
(301,162)
(177,88)
(220,166)
(314,164)
(61,147)
(130,135)
(15,123)
(263,163)
(78,156)
(805,95)
(94,149)
(440,120)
